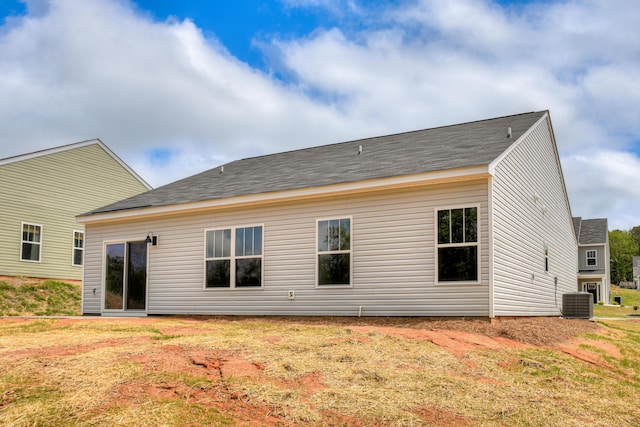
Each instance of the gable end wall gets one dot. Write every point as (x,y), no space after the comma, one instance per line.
(50,190)
(521,286)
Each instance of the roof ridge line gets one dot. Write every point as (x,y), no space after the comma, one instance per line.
(385,136)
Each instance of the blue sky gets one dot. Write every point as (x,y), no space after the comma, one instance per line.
(177,87)
(238,23)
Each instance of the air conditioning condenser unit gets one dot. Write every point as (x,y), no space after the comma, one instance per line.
(577,305)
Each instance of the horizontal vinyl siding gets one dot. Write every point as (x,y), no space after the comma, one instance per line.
(392,249)
(600,258)
(521,285)
(51,190)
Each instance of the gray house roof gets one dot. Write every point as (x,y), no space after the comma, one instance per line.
(591,231)
(449,147)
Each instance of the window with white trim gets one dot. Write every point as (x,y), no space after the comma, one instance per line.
(334,252)
(546,257)
(457,247)
(31,242)
(78,248)
(233,257)
(592,259)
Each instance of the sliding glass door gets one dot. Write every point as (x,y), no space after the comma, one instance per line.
(125,281)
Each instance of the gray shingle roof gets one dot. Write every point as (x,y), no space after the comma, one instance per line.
(449,147)
(577,221)
(590,231)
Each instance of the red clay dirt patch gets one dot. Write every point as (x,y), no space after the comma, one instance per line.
(68,350)
(579,348)
(307,384)
(537,331)
(456,342)
(441,418)
(217,366)
(244,411)
(210,370)
(513,333)
(211,364)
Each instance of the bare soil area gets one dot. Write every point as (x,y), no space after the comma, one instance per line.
(199,362)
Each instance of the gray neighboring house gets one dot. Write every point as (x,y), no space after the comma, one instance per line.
(465,220)
(594,272)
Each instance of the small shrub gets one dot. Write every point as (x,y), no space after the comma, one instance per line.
(600,302)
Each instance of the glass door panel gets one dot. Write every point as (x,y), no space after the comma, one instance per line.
(136,275)
(114,277)
(125,282)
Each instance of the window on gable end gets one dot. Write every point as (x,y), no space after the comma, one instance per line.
(546,257)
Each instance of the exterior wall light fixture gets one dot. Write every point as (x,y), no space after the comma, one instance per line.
(151,239)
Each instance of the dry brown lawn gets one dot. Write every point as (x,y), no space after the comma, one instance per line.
(276,371)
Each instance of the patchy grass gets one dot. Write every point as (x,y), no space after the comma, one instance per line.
(630,299)
(33,297)
(228,371)
(613,311)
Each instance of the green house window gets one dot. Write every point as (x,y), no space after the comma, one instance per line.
(31,242)
(78,248)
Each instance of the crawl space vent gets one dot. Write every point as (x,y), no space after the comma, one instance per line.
(577,305)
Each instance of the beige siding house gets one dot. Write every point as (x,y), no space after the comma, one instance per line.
(464,220)
(40,195)
(594,261)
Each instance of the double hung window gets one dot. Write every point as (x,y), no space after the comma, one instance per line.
(78,247)
(457,247)
(334,252)
(233,257)
(31,242)
(592,259)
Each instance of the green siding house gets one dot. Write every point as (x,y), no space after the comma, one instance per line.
(40,195)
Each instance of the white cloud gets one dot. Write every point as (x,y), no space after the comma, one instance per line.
(98,69)
(443,62)
(171,101)
(604,184)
